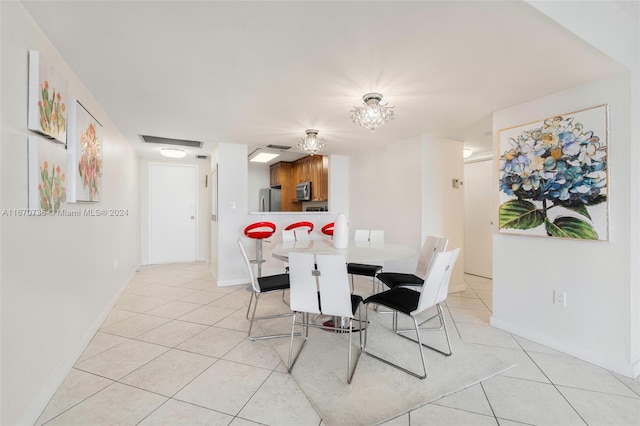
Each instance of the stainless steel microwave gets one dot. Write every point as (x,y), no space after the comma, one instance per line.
(303,191)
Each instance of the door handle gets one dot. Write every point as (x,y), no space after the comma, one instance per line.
(192,217)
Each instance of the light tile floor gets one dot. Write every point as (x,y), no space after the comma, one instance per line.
(174,351)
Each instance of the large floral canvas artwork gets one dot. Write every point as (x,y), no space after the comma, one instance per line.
(47,99)
(84,147)
(554,176)
(47,175)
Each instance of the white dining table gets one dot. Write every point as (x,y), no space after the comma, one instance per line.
(356,252)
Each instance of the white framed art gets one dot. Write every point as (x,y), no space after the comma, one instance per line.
(47,110)
(84,154)
(47,175)
(554,175)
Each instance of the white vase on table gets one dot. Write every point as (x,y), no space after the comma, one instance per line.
(340,231)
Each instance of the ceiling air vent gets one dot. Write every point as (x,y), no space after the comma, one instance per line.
(282,147)
(167,141)
(202,157)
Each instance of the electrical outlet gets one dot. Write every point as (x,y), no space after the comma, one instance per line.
(560,297)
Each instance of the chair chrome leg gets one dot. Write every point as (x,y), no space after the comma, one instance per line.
(424,365)
(351,372)
(291,361)
(250,300)
(285,301)
(293,326)
(444,325)
(253,319)
(253,315)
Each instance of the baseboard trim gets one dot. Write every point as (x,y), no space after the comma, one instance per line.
(630,370)
(40,403)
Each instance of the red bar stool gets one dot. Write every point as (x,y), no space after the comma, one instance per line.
(327,229)
(295,226)
(259,231)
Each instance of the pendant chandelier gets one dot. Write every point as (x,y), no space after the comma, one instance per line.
(311,143)
(373,113)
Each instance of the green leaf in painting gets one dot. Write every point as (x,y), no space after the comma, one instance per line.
(520,214)
(570,227)
(582,209)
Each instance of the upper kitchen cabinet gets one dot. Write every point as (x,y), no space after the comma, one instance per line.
(303,169)
(319,177)
(314,169)
(280,174)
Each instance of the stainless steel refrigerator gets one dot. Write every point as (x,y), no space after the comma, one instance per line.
(270,200)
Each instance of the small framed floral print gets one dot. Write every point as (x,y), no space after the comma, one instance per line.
(47,175)
(84,147)
(47,99)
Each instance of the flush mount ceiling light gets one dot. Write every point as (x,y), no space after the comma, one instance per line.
(312,144)
(172,152)
(263,157)
(466,153)
(373,113)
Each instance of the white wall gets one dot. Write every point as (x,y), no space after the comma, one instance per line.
(59,274)
(385,193)
(214,224)
(442,208)
(405,188)
(259,176)
(204,208)
(595,324)
(339,184)
(606,27)
(232,212)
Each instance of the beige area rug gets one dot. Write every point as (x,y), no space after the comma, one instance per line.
(379,392)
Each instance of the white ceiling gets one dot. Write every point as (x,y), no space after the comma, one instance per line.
(260,73)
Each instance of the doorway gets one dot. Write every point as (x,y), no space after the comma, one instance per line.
(478,218)
(173,205)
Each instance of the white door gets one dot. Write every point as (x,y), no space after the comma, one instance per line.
(478,215)
(172,213)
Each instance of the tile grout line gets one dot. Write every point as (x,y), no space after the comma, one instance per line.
(489,402)
(551,381)
(79,402)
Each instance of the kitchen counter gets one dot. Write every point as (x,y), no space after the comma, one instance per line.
(294,213)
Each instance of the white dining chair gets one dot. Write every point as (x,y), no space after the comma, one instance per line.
(431,246)
(376,236)
(288,236)
(363,236)
(320,286)
(302,234)
(259,287)
(411,303)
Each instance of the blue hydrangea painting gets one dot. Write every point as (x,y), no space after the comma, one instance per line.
(554,175)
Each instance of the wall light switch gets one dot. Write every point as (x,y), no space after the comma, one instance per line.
(232,205)
(456,183)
